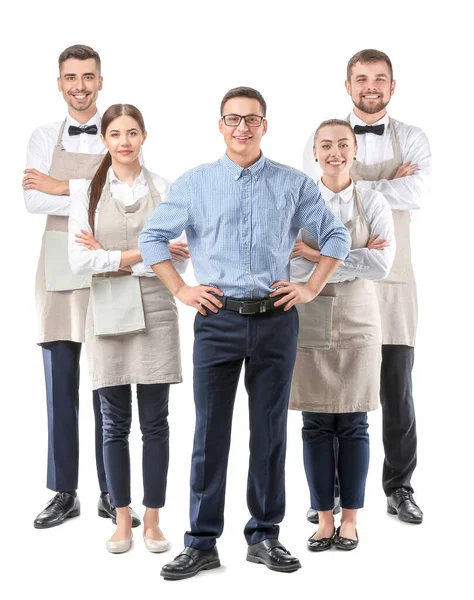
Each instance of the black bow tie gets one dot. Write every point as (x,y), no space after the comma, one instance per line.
(377,129)
(73,130)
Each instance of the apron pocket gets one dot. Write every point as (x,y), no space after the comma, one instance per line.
(58,274)
(117,305)
(315,319)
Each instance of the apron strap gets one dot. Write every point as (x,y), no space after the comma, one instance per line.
(61,131)
(397,153)
(149,180)
(359,205)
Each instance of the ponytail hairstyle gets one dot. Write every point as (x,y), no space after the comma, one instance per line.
(99,179)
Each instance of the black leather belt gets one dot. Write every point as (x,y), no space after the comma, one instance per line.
(250,307)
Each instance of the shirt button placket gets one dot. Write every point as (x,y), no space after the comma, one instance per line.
(246,228)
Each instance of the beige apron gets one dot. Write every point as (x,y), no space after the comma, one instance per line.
(397,293)
(151,355)
(62,314)
(340,373)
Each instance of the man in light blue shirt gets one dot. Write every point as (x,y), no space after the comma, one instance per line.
(241,215)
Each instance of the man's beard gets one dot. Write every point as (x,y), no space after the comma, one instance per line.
(370,110)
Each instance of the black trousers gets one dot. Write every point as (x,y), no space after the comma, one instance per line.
(398,414)
(61,371)
(116,405)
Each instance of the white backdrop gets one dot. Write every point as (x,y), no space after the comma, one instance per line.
(175,61)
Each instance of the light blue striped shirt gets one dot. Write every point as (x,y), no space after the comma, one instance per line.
(242,224)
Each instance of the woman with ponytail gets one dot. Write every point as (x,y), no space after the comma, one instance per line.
(132,321)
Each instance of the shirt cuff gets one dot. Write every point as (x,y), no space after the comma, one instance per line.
(156,254)
(336,250)
(139,270)
(115,256)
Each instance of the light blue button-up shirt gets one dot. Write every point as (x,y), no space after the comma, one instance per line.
(242,224)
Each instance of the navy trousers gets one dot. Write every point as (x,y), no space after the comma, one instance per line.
(116,405)
(224,341)
(319,431)
(398,417)
(61,371)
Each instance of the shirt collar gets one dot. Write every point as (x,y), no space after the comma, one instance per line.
(114,179)
(94,120)
(236,170)
(328,195)
(354,120)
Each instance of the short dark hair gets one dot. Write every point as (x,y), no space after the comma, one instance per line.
(331,123)
(80,52)
(368,56)
(244,92)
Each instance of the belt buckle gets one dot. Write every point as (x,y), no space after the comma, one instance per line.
(252,305)
(242,310)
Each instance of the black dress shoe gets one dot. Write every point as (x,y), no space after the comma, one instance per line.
(321,544)
(401,503)
(107,511)
(343,543)
(190,562)
(63,506)
(313,516)
(273,555)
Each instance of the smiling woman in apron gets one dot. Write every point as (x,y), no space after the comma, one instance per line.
(132,321)
(336,378)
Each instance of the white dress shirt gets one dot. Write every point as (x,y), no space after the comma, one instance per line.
(403,193)
(83,260)
(361,262)
(40,155)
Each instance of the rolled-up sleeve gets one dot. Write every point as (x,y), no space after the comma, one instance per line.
(81,259)
(313,215)
(168,221)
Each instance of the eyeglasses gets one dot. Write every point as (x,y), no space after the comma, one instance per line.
(250,120)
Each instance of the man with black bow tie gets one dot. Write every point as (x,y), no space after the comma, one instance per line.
(394,159)
(61,157)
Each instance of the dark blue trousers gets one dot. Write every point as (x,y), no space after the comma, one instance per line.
(116,405)
(319,431)
(398,417)
(61,371)
(224,341)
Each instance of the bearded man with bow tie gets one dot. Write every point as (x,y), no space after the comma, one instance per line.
(394,159)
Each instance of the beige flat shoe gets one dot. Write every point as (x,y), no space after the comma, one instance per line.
(119,547)
(156,545)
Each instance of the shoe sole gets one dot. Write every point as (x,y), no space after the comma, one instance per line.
(319,548)
(288,569)
(105,515)
(175,576)
(71,515)
(345,548)
(393,511)
(315,520)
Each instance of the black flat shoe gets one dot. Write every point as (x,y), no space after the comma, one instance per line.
(273,555)
(313,517)
(402,503)
(107,511)
(190,562)
(321,544)
(63,506)
(343,543)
